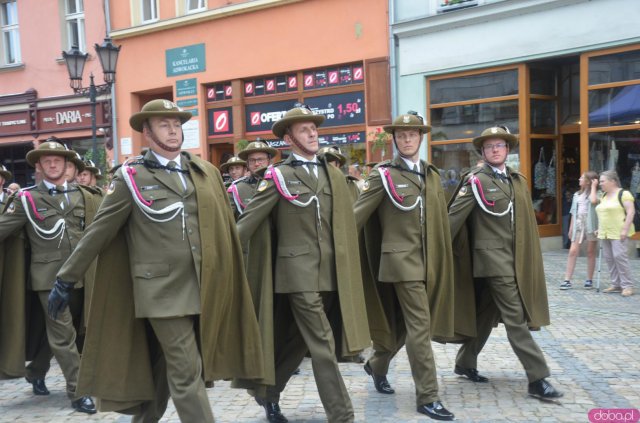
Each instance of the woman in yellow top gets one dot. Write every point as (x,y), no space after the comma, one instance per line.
(614,229)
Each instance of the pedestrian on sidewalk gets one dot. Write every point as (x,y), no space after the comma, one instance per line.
(615,226)
(583,226)
(491,214)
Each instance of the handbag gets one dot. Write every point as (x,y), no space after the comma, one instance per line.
(540,172)
(550,181)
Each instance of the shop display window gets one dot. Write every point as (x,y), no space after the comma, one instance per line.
(544,184)
(542,81)
(614,67)
(619,151)
(543,116)
(453,160)
(474,87)
(467,121)
(614,106)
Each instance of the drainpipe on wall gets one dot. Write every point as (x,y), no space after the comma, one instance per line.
(393,72)
(114,126)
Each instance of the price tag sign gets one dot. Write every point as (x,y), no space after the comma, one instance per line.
(339,109)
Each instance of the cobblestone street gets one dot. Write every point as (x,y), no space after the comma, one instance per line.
(592,347)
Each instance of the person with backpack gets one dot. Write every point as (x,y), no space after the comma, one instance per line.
(583,226)
(615,216)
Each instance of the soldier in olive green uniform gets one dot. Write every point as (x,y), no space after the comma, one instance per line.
(400,193)
(257,155)
(170,206)
(235,168)
(334,156)
(5,175)
(493,204)
(315,248)
(53,214)
(90,175)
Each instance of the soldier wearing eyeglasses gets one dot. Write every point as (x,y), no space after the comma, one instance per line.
(258,156)
(403,211)
(499,273)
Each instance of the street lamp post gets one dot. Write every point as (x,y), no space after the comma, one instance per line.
(75,60)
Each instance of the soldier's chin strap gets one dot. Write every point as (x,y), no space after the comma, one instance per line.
(162,145)
(302,148)
(403,155)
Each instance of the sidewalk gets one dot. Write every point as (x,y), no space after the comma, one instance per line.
(592,347)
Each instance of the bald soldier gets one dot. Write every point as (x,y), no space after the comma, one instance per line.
(311,300)
(257,155)
(170,307)
(499,272)
(54,215)
(403,211)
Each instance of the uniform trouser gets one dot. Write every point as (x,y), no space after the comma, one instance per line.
(62,341)
(177,372)
(616,254)
(39,366)
(310,311)
(504,293)
(414,309)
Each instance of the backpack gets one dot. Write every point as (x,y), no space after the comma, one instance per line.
(636,203)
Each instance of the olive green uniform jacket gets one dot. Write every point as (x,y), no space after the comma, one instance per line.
(266,241)
(386,260)
(486,245)
(115,366)
(21,319)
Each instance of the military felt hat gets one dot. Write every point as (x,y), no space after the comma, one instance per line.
(332,154)
(257,146)
(49,148)
(158,108)
(233,161)
(295,115)
(409,120)
(91,167)
(77,160)
(501,132)
(6,175)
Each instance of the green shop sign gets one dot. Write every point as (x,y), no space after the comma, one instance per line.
(190,102)
(186,87)
(184,60)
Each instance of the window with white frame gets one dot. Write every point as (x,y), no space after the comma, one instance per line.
(10,34)
(74,18)
(195,5)
(148,10)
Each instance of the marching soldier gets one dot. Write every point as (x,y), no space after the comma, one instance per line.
(171,307)
(54,215)
(318,304)
(5,175)
(75,165)
(235,167)
(333,156)
(90,175)
(499,275)
(403,207)
(257,155)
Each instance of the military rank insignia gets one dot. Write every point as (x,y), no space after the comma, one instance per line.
(112,188)
(263,185)
(462,191)
(365,186)
(11,209)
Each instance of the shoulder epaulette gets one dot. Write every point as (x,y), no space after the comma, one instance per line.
(28,188)
(92,190)
(385,163)
(237,181)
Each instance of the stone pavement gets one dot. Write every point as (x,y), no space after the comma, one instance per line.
(592,347)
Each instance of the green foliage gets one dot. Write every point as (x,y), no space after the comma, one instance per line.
(241,145)
(100,161)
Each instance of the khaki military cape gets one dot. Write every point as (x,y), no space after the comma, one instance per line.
(529,271)
(115,366)
(271,309)
(381,297)
(22,326)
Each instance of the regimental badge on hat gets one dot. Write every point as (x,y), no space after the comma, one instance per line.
(406,119)
(263,185)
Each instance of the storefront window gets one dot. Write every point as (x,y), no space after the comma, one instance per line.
(614,106)
(467,121)
(487,85)
(619,151)
(544,187)
(570,94)
(543,116)
(543,81)
(614,67)
(452,160)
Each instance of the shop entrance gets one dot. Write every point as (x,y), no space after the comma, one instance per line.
(219,153)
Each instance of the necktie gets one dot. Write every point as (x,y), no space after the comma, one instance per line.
(174,175)
(60,190)
(416,169)
(501,176)
(312,172)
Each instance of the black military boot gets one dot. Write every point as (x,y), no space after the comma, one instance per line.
(274,415)
(380,382)
(39,388)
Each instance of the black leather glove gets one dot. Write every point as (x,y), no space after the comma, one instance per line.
(59,297)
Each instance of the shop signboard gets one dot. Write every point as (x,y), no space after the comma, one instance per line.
(326,140)
(186,87)
(339,109)
(185,60)
(189,102)
(69,117)
(260,117)
(220,121)
(14,123)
